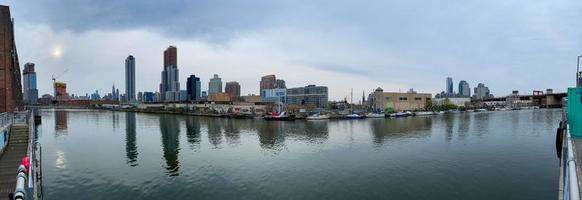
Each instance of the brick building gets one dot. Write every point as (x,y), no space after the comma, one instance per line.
(10,83)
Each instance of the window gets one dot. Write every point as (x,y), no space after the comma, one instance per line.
(387,98)
(403,99)
(417,98)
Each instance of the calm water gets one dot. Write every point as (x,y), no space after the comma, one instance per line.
(117,155)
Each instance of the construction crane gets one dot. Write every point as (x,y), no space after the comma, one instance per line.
(54,78)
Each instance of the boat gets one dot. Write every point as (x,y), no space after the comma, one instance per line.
(401,114)
(375,115)
(354,116)
(481,110)
(283,116)
(424,113)
(317,116)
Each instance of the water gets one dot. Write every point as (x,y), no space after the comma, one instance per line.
(117,155)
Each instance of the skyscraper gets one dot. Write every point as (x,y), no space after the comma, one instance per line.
(464,89)
(10,85)
(29,84)
(268,82)
(449,86)
(130,78)
(215,85)
(193,88)
(232,89)
(170,86)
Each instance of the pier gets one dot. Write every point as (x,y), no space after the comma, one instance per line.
(17,140)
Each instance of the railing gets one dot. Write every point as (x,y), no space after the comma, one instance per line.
(571,188)
(33,186)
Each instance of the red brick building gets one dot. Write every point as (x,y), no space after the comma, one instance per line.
(10,83)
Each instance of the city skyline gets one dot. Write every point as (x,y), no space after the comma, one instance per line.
(363,57)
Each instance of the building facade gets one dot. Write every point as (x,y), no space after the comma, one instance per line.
(464,89)
(29,84)
(232,88)
(219,97)
(449,86)
(482,92)
(215,85)
(279,83)
(268,82)
(170,86)
(130,79)
(274,95)
(10,79)
(309,95)
(60,91)
(396,101)
(193,88)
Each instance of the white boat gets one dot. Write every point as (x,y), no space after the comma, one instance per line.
(375,115)
(424,113)
(401,114)
(354,116)
(317,117)
(481,110)
(440,112)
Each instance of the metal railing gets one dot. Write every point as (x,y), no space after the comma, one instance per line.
(33,186)
(571,188)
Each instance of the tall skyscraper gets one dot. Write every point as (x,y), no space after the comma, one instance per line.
(232,89)
(193,88)
(215,85)
(29,84)
(130,79)
(10,79)
(170,86)
(268,82)
(464,89)
(449,86)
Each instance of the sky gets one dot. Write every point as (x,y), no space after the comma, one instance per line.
(508,45)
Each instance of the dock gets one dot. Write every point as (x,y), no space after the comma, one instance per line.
(18,140)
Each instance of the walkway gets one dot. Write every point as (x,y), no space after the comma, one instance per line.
(10,159)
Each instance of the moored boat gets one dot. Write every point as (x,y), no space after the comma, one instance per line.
(283,116)
(354,116)
(424,113)
(401,114)
(375,115)
(317,117)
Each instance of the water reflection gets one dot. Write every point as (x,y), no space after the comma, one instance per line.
(464,124)
(61,121)
(170,130)
(130,139)
(193,132)
(271,135)
(400,128)
(232,130)
(214,131)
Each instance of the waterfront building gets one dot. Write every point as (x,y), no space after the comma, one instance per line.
(170,85)
(232,88)
(464,89)
(481,92)
(219,97)
(215,85)
(309,95)
(397,101)
(29,84)
(130,78)
(274,95)
(251,98)
(449,86)
(183,96)
(140,96)
(268,82)
(458,101)
(193,88)
(10,79)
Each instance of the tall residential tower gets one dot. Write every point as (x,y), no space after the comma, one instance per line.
(29,84)
(130,79)
(170,86)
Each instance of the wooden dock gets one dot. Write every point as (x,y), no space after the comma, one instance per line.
(14,151)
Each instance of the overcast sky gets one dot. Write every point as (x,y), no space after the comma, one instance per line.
(393,44)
